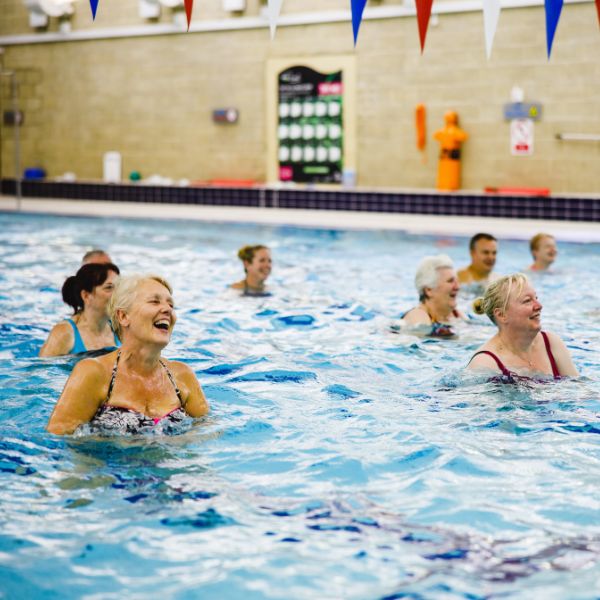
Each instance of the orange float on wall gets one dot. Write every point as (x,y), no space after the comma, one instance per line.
(420,126)
(450,138)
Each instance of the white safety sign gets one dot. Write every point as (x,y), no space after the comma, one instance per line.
(521,137)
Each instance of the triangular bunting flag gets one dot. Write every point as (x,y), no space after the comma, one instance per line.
(491,14)
(598,9)
(94,7)
(189,4)
(273,10)
(553,8)
(358,7)
(423,14)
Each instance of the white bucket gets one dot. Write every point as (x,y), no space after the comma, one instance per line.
(112,167)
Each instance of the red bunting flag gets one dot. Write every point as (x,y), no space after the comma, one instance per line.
(598,9)
(423,14)
(94,7)
(188,11)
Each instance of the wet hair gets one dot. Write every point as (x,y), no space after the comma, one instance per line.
(497,295)
(427,275)
(89,256)
(480,236)
(87,278)
(535,241)
(124,295)
(246,253)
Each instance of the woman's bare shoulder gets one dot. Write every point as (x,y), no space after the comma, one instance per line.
(417,316)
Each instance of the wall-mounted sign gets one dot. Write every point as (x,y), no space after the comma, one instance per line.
(523,110)
(310,126)
(225,115)
(13,118)
(521,137)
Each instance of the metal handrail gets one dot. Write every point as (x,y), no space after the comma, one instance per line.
(578,137)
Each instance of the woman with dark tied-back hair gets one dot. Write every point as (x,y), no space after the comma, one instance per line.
(88,293)
(520,349)
(257,266)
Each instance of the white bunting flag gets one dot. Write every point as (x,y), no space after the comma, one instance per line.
(273,10)
(491,14)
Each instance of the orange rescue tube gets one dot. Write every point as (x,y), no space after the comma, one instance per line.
(450,137)
(420,126)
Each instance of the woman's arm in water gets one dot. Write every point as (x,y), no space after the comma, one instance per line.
(561,353)
(82,396)
(194,401)
(60,340)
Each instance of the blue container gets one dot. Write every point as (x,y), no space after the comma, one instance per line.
(34,173)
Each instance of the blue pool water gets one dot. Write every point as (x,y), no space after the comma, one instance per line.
(339,460)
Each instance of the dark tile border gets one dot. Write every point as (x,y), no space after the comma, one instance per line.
(426,203)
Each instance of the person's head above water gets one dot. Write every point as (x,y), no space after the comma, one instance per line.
(132,389)
(519,347)
(544,251)
(87,293)
(437,285)
(142,307)
(435,274)
(93,283)
(257,267)
(483,248)
(505,295)
(96,256)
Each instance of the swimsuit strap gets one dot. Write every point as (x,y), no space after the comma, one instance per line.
(78,345)
(555,371)
(112,378)
(500,364)
(172,379)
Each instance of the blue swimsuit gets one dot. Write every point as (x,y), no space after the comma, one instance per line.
(79,346)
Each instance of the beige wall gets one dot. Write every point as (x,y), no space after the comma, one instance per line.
(151,98)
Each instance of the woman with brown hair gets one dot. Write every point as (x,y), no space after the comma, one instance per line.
(257,267)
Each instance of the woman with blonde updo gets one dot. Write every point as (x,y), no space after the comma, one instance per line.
(520,349)
(133,389)
(257,266)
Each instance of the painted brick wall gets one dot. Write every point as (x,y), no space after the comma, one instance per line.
(151,97)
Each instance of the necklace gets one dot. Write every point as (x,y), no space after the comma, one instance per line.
(525,360)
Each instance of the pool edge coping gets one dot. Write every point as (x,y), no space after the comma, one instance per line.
(572,231)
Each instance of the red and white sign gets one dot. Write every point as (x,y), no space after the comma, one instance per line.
(521,137)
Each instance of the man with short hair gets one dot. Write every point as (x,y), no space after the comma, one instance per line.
(483,248)
(95,256)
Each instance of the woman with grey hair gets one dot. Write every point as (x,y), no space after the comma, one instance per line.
(132,389)
(437,285)
(520,348)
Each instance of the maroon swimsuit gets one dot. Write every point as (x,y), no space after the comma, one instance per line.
(508,375)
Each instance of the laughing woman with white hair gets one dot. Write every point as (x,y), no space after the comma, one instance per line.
(133,389)
(437,284)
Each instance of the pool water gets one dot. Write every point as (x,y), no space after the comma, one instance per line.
(339,460)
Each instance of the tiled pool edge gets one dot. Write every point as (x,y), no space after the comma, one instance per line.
(416,224)
(425,202)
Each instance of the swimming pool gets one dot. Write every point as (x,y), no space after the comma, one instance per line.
(339,460)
